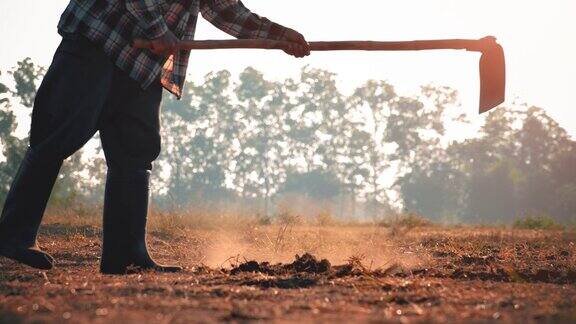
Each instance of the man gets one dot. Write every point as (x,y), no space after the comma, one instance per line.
(98,82)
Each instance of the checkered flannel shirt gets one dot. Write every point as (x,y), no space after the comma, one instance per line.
(114,23)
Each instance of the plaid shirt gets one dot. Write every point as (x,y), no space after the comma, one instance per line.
(114,23)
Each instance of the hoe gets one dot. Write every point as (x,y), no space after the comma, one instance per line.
(492,61)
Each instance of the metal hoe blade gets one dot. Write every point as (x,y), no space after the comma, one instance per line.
(492,75)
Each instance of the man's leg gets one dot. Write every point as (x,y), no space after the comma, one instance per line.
(64,118)
(130,133)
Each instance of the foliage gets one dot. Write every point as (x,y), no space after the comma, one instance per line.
(537,222)
(26,75)
(316,184)
(406,221)
(70,185)
(14,148)
(303,143)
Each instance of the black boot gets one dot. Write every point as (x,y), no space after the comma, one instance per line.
(125,210)
(23,211)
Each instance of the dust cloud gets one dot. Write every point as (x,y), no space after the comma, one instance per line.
(376,247)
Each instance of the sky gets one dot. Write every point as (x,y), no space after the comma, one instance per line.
(539,38)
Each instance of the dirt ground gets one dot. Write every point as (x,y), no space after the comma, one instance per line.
(265,274)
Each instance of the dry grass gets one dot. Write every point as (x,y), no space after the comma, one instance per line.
(227,237)
(407,271)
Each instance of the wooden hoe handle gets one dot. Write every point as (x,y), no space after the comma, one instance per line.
(467,44)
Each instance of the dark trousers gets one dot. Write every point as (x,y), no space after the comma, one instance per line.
(82,92)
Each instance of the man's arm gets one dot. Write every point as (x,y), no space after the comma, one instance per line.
(232,17)
(153,24)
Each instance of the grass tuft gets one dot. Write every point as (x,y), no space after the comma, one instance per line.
(407,221)
(535,222)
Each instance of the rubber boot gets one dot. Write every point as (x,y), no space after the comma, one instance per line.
(124,247)
(23,211)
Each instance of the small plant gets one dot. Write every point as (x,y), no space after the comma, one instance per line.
(288,218)
(287,221)
(169,224)
(263,220)
(544,222)
(324,218)
(409,221)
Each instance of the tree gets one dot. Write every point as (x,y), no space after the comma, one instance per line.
(316,128)
(563,202)
(404,132)
(12,147)
(317,184)
(198,134)
(373,101)
(540,142)
(25,76)
(488,169)
(430,183)
(516,167)
(259,164)
(436,191)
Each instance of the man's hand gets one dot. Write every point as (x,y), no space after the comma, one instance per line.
(165,44)
(298,47)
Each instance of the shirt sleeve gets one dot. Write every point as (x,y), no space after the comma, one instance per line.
(232,17)
(148,17)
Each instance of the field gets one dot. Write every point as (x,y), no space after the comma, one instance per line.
(303,272)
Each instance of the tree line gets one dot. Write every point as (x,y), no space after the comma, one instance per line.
(258,142)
